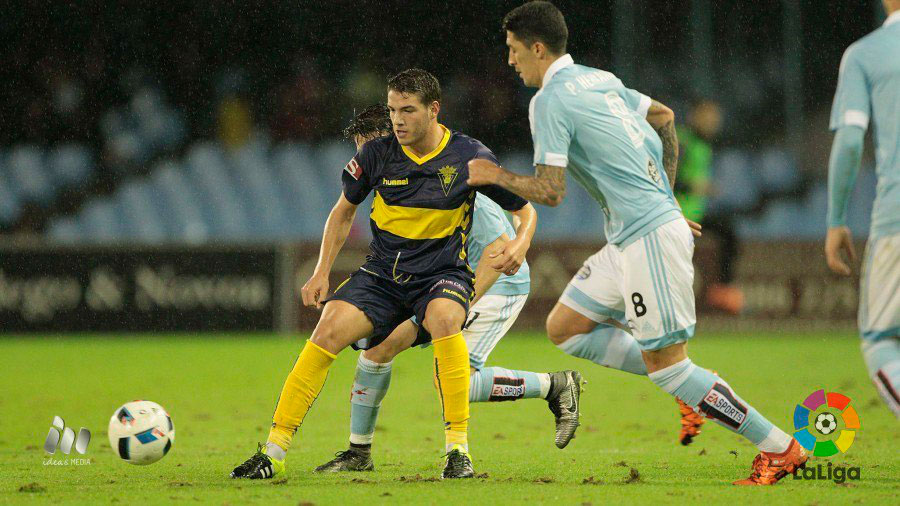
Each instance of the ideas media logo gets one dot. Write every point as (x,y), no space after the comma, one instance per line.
(64,438)
(825,423)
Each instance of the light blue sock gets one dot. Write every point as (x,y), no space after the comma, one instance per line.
(713,397)
(369,388)
(608,346)
(883,361)
(498,384)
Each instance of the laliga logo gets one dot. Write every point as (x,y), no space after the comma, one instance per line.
(822,410)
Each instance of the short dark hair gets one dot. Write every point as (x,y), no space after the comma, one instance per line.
(538,21)
(417,81)
(372,120)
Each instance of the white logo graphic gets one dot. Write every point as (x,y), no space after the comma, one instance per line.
(64,438)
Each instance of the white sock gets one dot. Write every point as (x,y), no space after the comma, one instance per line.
(544,379)
(275,451)
(777,441)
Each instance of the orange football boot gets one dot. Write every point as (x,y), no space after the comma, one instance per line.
(691,421)
(768,468)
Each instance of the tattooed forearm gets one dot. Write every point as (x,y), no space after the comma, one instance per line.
(662,119)
(670,150)
(548,186)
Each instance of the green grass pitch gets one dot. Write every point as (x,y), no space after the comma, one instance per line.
(220,391)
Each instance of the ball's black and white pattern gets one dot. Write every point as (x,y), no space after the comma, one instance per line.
(826,423)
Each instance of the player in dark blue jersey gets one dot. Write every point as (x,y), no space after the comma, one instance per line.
(421,216)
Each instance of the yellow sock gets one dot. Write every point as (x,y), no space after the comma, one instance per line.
(300,390)
(451,367)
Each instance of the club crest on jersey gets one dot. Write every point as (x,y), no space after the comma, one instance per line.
(447,175)
(354,169)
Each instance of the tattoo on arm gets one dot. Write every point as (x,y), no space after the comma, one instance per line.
(547,186)
(670,149)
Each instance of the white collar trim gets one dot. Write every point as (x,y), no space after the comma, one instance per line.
(893,18)
(560,63)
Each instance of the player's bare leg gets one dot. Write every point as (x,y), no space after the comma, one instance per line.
(445,318)
(672,370)
(340,325)
(610,345)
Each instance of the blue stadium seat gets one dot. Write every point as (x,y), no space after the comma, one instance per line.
(128,147)
(10,202)
(777,170)
(223,209)
(786,220)
(735,182)
(178,199)
(175,129)
(330,159)
(143,129)
(99,220)
(139,214)
(256,184)
(71,163)
(65,229)
(304,200)
(151,129)
(27,168)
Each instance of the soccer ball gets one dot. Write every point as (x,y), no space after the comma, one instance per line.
(826,423)
(141,432)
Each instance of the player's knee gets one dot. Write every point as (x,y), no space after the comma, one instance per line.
(327,336)
(442,325)
(664,357)
(557,329)
(380,354)
(386,351)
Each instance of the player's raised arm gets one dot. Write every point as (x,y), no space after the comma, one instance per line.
(337,228)
(547,186)
(662,119)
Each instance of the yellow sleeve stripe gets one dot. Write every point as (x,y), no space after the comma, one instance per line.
(416,222)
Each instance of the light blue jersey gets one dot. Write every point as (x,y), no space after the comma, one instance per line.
(587,120)
(488,224)
(869,87)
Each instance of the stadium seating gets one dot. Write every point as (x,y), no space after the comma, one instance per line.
(36,175)
(140,130)
(284,192)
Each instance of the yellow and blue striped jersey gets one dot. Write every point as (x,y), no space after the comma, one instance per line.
(422,209)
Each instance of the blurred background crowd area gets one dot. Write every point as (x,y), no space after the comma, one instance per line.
(220,121)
